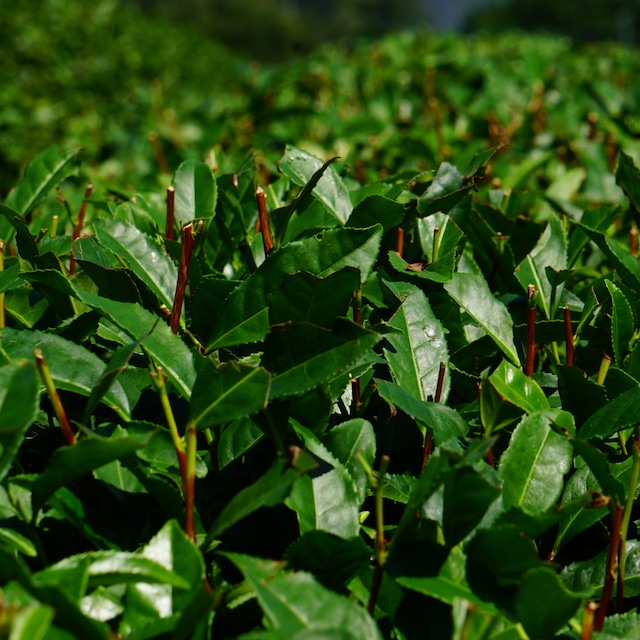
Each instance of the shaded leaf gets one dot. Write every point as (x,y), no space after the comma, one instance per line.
(226,392)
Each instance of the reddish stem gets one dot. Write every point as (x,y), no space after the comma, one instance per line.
(183,269)
(610,570)
(441,373)
(158,152)
(400,242)
(633,240)
(190,484)
(620,582)
(531,331)
(568,336)
(171,199)
(587,620)
(79,224)
(428,442)
(267,240)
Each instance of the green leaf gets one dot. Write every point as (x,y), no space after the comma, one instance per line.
(162,346)
(295,602)
(439,271)
(446,190)
(628,178)
(45,171)
(300,166)
(14,541)
(473,295)
(303,356)
(196,191)
(622,322)
(533,466)
(226,392)
(243,316)
(503,552)
(467,496)
(327,501)
(72,367)
(268,491)
(377,209)
(618,414)
(331,559)
(518,389)
(543,603)
(601,469)
(71,462)
(304,297)
(31,622)
(121,567)
(145,256)
(550,251)
(445,422)
(27,247)
(420,347)
(19,405)
(345,441)
(448,235)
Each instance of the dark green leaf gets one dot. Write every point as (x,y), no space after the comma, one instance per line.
(601,469)
(226,392)
(18,409)
(620,413)
(72,462)
(243,316)
(467,496)
(445,422)
(295,602)
(628,178)
(622,322)
(268,491)
(376,209)
(544,604)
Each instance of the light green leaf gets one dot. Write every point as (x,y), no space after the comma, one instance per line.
(196,191)
(419,348)
(550,251)
(472,293)
(330,190)
(145,256)
(622,322)
(534,464)
(44,172)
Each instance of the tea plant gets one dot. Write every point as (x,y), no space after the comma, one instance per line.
(324,429)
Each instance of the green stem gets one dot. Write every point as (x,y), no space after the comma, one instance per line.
(52,392)
(626,519)
(380,541)
(2,307)
(604,369)
(436,244)
(568,331)
(53,232)
(190,485)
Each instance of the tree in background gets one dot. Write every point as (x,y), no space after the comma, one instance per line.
(580,19)
(279,29)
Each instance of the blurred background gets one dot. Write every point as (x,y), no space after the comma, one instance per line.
(280,29)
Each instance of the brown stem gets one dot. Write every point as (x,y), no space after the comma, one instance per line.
(633,240)
(79,224)
(568,331)
(52,392)
(531,330)
(400,242)
(171,199)
(263,218)
(610,570)
(183,269)
(441,373)
(428,445)
(355,383)
(158,152)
